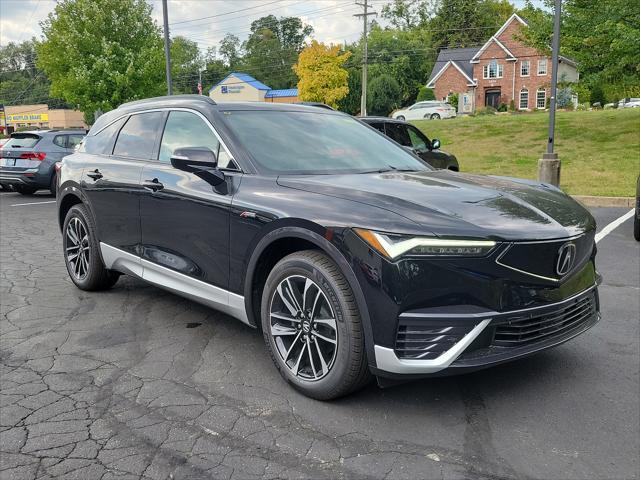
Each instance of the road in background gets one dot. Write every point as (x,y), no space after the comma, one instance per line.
(138,383)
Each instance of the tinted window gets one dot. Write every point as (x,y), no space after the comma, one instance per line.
(315,143)
(74,140)
(60,140)
(102,142)
(418,140)
(399,133)
(138,136)
(22,140)
(186,129)
(378,126)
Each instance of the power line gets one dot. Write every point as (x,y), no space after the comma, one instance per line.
(226,13)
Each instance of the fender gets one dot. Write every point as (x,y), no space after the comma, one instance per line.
(71,188)
(334,254)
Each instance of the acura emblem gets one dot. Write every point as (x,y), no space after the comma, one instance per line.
(566,257)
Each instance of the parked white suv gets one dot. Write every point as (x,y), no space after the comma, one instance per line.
(430,110)
(629,103)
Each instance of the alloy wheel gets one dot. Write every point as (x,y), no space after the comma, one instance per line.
(303,327)
(77,248)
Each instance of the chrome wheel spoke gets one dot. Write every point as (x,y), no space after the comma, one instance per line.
(292,293)
(77,248)
(292,309)
(296,366)
(311,362)
(330,322)
(322,337)
(282,316)
(323,362)
(278,330)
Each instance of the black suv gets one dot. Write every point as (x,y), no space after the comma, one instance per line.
(414,140)
(352,255)
(27,160)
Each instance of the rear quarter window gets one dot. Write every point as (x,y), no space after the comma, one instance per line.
(22,141)
(102,142)
(60,141)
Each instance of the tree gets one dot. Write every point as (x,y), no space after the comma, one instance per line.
(230,50)
(322,77)
(407,14)
(383,95)
(272,48)
(186,62)
(101,53)
(425,94)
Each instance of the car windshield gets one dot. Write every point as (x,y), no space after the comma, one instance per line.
(314,143)
(22,140)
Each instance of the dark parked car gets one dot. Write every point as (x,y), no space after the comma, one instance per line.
(636,218)
(410,137)
(352,255)
(27,160)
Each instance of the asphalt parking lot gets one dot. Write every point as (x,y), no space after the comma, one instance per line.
(139,383)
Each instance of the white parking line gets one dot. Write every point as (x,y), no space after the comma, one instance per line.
(613,225)
(32,203)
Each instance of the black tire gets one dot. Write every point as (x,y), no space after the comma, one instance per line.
(53,188)
(349,370)
(25,190)
(636,227)
(400,117)
(96,276)
(435,116)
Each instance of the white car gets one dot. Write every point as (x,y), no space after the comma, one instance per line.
(430,110)
(629,103)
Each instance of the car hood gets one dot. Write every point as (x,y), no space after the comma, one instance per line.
(451,203)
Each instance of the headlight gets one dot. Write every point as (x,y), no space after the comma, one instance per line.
(393,246)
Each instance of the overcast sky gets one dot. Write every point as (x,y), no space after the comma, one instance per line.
(332,20)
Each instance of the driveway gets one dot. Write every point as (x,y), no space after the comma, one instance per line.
(139,383)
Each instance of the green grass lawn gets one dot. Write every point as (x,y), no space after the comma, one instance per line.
(600,150)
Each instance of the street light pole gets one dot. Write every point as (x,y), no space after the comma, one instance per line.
(167,50)
(549,164)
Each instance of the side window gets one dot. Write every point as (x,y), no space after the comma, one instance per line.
(60,141)
(102,142)
(379,127)
(138,136)
(399,133)
(185,129)
(418,141)
(73,141)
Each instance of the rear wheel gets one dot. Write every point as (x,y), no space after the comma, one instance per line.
(25,190)
(312,326)
(81,252)
(400,117)
(435,116)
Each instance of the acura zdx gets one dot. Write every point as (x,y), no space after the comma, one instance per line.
(352,255)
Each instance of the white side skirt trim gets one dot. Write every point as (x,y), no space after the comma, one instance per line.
(387,360)
(202,292)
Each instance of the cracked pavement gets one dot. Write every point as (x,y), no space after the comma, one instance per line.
(137,383)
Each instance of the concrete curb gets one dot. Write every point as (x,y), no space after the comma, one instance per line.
(591,201)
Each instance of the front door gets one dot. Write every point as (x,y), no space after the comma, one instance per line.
(184,219)
(492,98)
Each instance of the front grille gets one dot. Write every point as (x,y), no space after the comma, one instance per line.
(548,325)
(427,341)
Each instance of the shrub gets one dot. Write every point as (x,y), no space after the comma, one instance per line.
(453,100)
(512,106)
(502,107)
(582,106)
(597,95)
(383,95)
(486,111)
(425,94)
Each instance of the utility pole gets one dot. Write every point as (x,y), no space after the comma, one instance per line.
(549,164)
(167,50)
(365,19)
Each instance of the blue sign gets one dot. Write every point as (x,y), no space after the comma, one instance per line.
(223,89)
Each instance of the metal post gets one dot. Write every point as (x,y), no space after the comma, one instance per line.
(167,50)
(554,75)
(365,18)
(549,165)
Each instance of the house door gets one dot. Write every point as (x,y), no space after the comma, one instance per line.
(492,98)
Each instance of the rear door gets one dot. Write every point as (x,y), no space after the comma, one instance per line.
(111,177)
(184,219)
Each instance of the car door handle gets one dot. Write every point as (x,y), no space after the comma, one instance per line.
(153,185)
(96,175)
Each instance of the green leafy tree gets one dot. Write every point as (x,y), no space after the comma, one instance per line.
(383,95)
(101,53)
(186,62)
(321,73)
(230,50)
(425,94)
(351,102)
(407,14)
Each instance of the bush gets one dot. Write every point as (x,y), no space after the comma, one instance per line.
(453,100)
(512,106)
(486,111)
(425,94)
(383,95)
(582,106)
(502,107)
(597,95)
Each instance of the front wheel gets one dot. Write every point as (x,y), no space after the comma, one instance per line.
(81,252)
(435,116)
(400,117)
(312,326)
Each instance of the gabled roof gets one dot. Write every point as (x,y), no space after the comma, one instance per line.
(285,92)
(494,38)
(457,57)
(243,77)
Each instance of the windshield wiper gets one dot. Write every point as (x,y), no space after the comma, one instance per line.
(391,168)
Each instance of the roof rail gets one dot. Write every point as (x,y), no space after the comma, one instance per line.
(170,98)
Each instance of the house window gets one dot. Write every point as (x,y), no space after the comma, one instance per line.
(541,98)
(493,70)
(524,99)
(524,68)
(542,66)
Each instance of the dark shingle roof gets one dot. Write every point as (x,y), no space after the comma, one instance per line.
(460,56)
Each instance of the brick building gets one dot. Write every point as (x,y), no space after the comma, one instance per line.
(501,71)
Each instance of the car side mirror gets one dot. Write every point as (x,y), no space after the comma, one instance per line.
(435,144)
(199,160)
